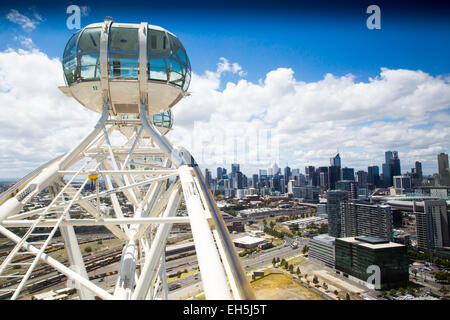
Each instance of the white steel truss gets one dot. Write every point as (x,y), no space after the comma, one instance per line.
(155,178)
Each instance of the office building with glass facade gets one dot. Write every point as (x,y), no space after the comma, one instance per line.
(357,256)
(334,199)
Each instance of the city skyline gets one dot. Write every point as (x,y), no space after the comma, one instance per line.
(310,98)
(406,168)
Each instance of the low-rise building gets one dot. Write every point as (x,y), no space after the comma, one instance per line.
(322,249)
(248,242)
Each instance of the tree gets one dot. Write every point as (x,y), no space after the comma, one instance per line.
(347,296)
(274,261)
(392,292)
(298,271)
(443,290)
(87,249)
(315,280)
(305,249)
(336,293)
(402,290)
(415,272)
(325,286)
(100,241)
(291,268)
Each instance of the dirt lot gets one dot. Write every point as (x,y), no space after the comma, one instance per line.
(277,286)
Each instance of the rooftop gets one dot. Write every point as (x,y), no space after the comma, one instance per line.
(325,239)
(374,246)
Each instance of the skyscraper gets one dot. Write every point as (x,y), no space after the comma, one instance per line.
(416,174)
(391,168)
(395,163)
(432,225)
(334,174)
(219,173)
(347,174)
(208,177)
(310,173)
(275,169)
(234,168)
(255,181)
(444,175)
(361,178)
(373,177)
(335,161)
(287,173)
(418,171)
(334,199)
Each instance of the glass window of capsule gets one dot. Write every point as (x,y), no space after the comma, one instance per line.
(162,120)
(167,59)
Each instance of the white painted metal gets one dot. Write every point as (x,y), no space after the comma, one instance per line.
(154,178)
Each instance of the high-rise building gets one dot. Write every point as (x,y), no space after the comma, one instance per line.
(323,179)
(432,225)
(391,168)
(418,171)
(287,173)
(237,180)
(255,181)
(403,182)
(335,161)
(347,174)
(373,177)
(416,175)
(361,178)
(334,200)
(235,168)
(208,176)
(349,186)
(395,163)
(334,174)
(386,175)
(310,176)
(275,169)
(366,220)
(444,174)
(219,173)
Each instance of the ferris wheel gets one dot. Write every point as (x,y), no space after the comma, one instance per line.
(132,75)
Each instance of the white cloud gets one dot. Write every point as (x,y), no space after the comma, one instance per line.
(25,42)
(85,11)
(311,120)
(38,122)
(25,22)
(308,121)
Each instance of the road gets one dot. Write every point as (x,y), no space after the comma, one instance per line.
(254,261)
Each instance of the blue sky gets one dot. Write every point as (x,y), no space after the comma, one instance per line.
(271,39)
(312,40)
